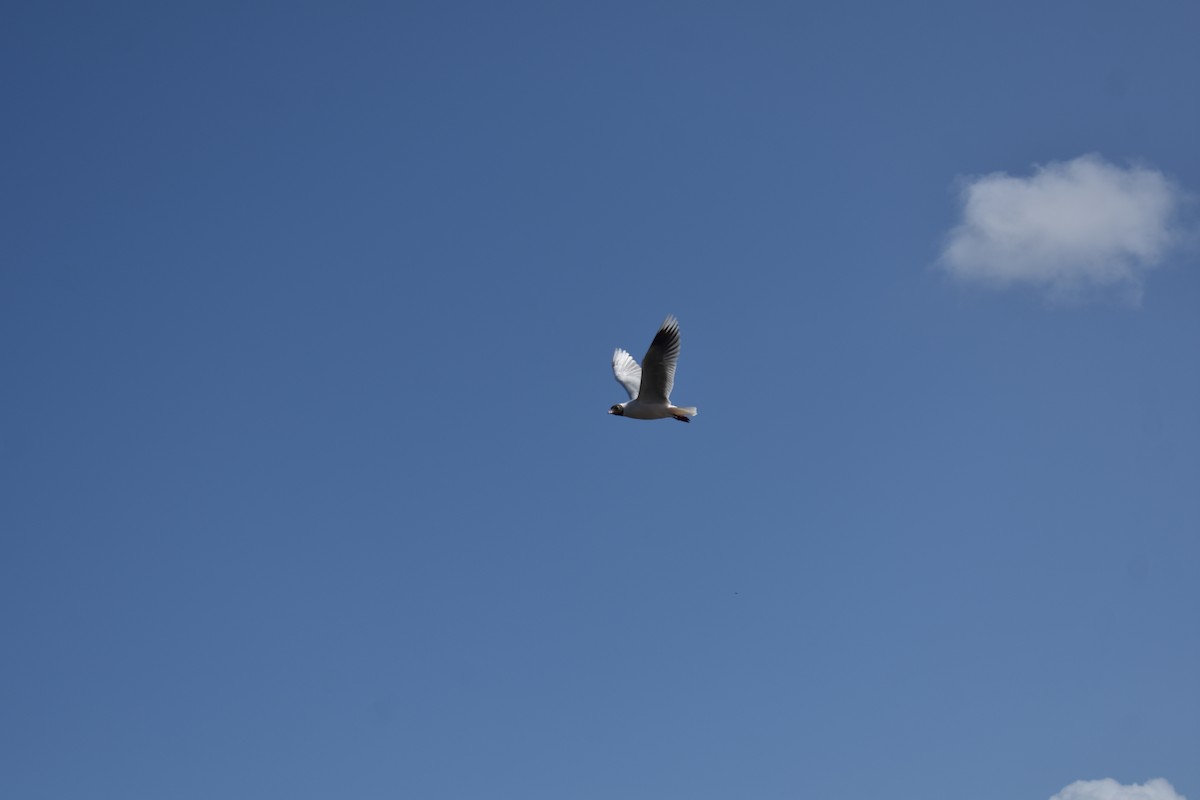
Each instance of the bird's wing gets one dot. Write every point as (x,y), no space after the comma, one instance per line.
(658,367)
(627,372)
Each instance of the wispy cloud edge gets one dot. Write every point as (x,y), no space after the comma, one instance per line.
(1109,789)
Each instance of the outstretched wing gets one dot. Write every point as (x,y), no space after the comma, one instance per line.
(658,367)
(627,372)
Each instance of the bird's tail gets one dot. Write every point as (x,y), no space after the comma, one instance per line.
(690,411)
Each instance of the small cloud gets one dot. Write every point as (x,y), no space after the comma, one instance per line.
(1108,789)
(1070,228)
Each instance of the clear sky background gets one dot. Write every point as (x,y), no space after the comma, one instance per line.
(308,488)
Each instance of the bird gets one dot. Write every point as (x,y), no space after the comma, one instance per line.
(649,385)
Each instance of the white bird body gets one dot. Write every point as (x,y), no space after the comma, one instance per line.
(635,409)
(649,386)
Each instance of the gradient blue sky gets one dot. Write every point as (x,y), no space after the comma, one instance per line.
(308,487)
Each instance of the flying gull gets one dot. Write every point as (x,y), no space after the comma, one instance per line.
(649,385)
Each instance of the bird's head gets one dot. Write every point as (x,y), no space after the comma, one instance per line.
(618,409)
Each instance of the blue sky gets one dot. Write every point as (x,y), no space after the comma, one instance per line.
(306,316)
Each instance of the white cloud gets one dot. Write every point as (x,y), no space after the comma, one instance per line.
(1108,789)
(1071,227)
